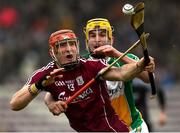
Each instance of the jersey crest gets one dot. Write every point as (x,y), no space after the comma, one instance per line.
(79,80)
(115,88)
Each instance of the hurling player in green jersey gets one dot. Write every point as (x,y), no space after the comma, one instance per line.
(99,41)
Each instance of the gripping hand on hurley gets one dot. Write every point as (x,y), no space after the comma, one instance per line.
(150,67)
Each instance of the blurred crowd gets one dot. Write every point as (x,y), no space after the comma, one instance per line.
(25,26)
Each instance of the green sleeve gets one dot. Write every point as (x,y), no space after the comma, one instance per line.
(132,56)
(120,63)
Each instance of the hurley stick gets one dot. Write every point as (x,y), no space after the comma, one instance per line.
(137,22)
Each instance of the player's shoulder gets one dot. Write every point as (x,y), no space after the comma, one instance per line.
(92,60)
(120,63)
(51,65)
(86,55)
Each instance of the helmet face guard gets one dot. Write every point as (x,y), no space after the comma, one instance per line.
(64,48)
(98,24)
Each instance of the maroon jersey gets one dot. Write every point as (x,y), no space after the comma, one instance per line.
(91,110)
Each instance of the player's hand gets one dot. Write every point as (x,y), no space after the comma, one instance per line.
(106,50)
(49,79)
(162,118)
(150,67)
(57,107)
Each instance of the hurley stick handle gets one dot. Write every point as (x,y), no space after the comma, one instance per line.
(150,74)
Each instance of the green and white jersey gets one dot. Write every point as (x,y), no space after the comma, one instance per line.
(121,95)
(122,99)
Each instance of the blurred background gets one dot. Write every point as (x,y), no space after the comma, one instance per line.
(25,27)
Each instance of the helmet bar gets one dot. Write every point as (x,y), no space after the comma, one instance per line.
(67,43)
(60,36)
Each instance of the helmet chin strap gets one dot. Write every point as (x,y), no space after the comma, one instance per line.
(70,66)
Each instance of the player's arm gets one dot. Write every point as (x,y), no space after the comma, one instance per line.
(162,106)
(48,99)
(129,71)
(21,98)
(55,107)
(110,51)
(143,75)
(26,94)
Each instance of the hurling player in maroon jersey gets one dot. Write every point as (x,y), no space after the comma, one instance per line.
(68,73)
